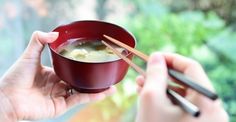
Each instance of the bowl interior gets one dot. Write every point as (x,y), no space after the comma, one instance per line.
(91,30)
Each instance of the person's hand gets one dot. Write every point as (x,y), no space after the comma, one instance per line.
(155,106)
(30,91)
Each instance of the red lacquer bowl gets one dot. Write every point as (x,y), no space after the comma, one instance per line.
(90,77)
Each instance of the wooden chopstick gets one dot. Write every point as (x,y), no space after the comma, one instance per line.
(185,104)
(137,68)
(173,73)
(136,52)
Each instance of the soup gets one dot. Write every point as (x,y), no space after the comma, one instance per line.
(88,50)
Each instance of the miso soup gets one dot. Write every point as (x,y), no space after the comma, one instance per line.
(89,50)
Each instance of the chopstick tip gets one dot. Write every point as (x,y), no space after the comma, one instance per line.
(197,114)
(104,35)
(103,42)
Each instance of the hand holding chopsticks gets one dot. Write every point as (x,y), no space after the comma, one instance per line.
(187,106)
(175,74)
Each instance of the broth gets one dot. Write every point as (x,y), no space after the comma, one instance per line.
(89,50)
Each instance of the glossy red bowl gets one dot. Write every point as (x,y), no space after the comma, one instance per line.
(90,77)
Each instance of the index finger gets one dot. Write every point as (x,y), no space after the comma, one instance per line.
(189,67)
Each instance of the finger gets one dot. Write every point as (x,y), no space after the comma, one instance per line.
(110,91)
(156,76)
(81,98)
(59,89)
(46,78)
(178,62)
(179,90)
(139,89)
(193,70)
(154,89)
(189,67)
(62,104)
(153,97)
(37,42)
(52,75)
(41,80)
(140,80)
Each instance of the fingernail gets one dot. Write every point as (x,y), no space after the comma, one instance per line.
(156,58)
(41,34)
(53,34)
(48,35)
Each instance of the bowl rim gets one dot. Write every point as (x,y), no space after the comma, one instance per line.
(98,62)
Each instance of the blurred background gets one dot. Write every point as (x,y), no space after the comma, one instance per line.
(204,30)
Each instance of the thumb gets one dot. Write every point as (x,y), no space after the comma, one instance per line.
(156,76)
(37,43)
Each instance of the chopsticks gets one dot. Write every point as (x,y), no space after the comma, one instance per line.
(187,81)
(191,84)
(134,51)
(185,105)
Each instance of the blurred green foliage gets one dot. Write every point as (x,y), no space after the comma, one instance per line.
(224,8)
(180,33)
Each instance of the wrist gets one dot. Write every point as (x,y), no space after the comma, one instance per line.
(7,112)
